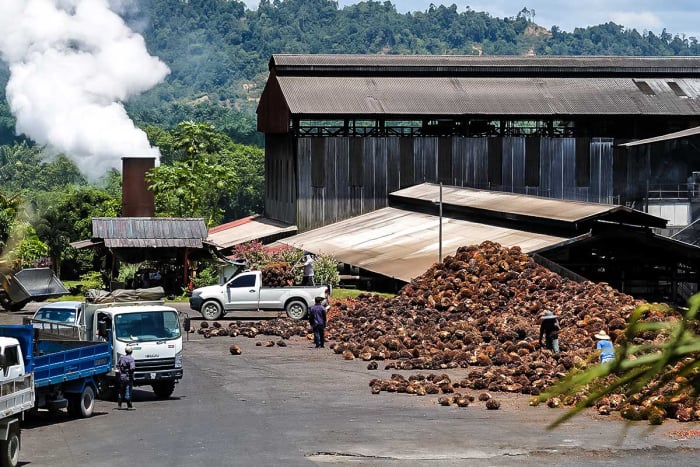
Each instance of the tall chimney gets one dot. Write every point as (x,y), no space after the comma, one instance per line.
(137,199)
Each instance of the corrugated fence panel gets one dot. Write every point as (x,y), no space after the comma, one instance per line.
(407,166)
(568,180)
(426,160)
(380,185)
(514,164)
(355,159)
(280,182)
(359,173)
(601,190)
(303,214)
(368,175)
(546,150)
(393,158)
(334,172)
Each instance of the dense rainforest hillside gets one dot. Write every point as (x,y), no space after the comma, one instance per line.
(218,50)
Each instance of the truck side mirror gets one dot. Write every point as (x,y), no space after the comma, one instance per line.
(102,329)
(186,323)
(3,362)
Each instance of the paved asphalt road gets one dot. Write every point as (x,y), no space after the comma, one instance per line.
(300,406)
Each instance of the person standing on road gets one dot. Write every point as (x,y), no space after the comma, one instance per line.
(604,344)
(126,366)
(308,269)
(317,318)
(549,329)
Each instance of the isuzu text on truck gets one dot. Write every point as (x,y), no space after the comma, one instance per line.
(152,329)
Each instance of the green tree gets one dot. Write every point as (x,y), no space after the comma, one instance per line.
(194,184)
(68,218)
(9,207)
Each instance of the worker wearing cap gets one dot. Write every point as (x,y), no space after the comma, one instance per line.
(604,344)
(126,366)
(549,329)
(317,318)
(308,278)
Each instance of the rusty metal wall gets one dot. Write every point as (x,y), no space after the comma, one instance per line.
(359,173)
(280,178)
(137,199)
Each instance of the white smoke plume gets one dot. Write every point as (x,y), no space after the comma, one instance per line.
(72,65)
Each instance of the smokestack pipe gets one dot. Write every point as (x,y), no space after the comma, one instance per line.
(137,199)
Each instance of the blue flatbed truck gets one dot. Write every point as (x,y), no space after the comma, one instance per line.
(51,374)
(66,373)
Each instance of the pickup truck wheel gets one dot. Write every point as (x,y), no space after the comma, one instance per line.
(9,449)
(211,309)
(163,390)
(296,309)
(82,405)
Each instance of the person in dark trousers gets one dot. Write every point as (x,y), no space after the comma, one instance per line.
(308,278)
(549,329)
(317,318)
(126,366)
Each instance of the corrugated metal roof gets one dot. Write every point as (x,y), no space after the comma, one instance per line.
(404,244)
(246,230)
(514,206)
(460,65)
(435,96)
(159,232)
(667,137)
(85,243)
(690,234)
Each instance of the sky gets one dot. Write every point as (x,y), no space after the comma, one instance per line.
(677,16)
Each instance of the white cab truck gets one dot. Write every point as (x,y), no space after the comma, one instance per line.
(151,328)
(17,397)
(245,292)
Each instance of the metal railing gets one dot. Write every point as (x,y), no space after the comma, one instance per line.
(680,191)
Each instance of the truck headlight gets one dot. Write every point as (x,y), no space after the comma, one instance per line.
(178,359)
(196,293)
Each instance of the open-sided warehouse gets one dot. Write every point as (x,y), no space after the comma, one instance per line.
(606,243)
(344,131)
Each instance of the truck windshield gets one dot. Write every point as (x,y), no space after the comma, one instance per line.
(146,326)
(58,315)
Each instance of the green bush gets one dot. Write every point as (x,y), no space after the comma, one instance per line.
(205,277)
(326,270)
(92,280)
(126,272)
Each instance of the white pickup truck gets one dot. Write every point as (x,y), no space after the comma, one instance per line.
(245,292)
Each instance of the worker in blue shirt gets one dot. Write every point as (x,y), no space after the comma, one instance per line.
(317,318)
(604,344)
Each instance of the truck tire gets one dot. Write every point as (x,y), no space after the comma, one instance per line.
(296,309)
(9,449)
(211,309)
(106,390)
(164,390)
(82,405)
(9,305)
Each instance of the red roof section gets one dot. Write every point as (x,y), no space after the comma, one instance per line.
(231,224)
